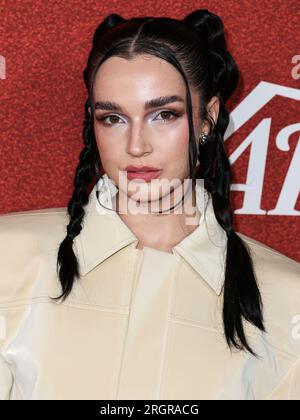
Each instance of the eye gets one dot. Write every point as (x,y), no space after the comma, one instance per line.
(115,119)
(171,114)
(105,118)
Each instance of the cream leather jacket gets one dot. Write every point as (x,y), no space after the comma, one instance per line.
(139,324)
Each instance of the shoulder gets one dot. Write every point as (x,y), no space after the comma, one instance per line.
(278,278)
(272,262)
(29,240)
(274,269)
(29,230)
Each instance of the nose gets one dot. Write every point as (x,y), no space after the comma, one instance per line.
(138,143)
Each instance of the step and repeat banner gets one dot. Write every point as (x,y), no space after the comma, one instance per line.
(43,51)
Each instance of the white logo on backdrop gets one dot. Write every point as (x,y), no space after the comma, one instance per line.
(258,139)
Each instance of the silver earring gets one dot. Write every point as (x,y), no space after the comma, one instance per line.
(202,138)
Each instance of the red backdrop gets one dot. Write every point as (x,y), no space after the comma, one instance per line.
(43,50)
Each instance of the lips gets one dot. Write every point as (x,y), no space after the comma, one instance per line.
(143,176)
(141,169)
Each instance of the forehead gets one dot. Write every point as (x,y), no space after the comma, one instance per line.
(142,77)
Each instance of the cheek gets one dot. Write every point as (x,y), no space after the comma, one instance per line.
(108,148)
(177,145)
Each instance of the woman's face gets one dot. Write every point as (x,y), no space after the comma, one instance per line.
(132,135)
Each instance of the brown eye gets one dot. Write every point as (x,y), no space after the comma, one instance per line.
(167,115)
(113,118)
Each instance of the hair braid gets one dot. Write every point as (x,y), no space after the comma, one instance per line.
(241,297)
(84,174)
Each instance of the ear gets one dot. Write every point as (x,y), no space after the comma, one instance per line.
(213,108)
(90,112)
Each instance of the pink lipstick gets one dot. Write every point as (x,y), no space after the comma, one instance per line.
(145,173)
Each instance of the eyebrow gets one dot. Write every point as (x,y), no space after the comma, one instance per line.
(152,103)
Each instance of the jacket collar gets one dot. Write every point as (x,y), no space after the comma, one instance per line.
(104,233)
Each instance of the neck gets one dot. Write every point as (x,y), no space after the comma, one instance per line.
(161,230)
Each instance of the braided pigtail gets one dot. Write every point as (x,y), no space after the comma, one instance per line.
(84,174)
(89,164)
(242,299)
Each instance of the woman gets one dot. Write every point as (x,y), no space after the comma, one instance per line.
(170,302)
